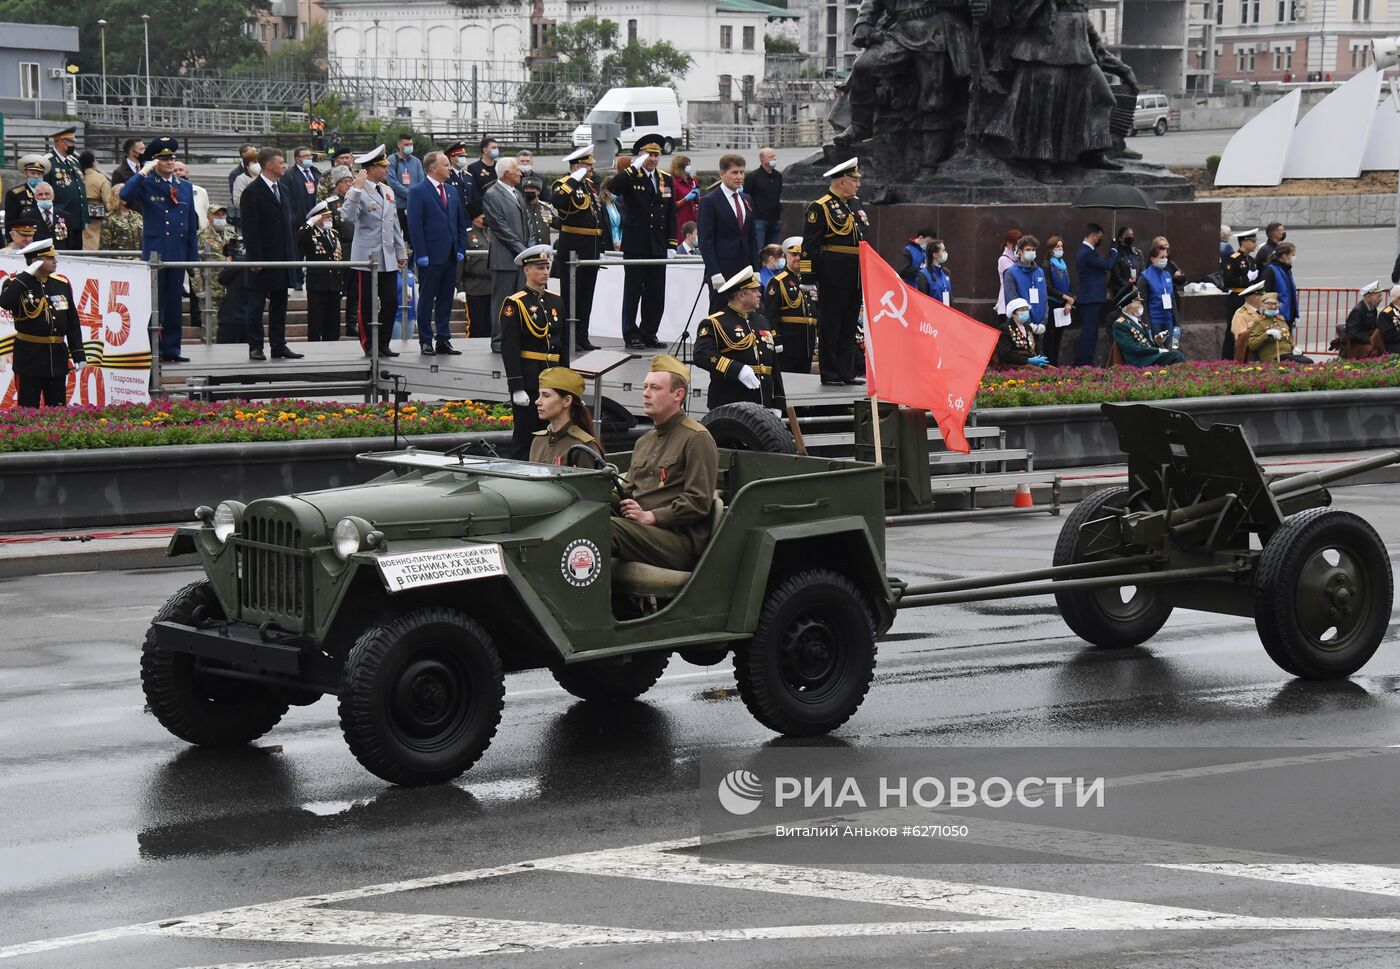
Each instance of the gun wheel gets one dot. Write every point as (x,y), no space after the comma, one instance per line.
(1322,594)
(193,703)
(812,656)
(422,696)
(615,679)
(1115,617)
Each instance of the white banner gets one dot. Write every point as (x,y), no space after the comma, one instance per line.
(683,282)
(114,307)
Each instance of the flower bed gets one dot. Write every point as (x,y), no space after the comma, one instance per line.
(165,423)
(1088,385)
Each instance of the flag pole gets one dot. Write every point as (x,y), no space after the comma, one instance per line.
(875,425)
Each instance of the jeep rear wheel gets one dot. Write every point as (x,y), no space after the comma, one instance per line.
(615,678)
(194,703)
(422,696)
(812,656)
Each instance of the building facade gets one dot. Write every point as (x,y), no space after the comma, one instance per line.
(1291,40)
(445,63)
(33,58)
(285,21)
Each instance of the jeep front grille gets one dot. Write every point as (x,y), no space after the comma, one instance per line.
(274,571)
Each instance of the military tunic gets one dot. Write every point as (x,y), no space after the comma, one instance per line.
(19,203)
(47,335)
(69,195)
(552,447)
(529,325)
(1388,323)
(831,235)
(788,310)
(576,203)
(211,246)
(1137,346)
(725,343)
(1239,271)
(170,227)
(673,474)
(121,230)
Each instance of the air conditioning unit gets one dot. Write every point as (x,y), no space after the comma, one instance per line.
(55,72)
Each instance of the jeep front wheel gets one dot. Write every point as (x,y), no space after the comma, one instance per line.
(616,678)
(812,655)
(422,696)
(188,698)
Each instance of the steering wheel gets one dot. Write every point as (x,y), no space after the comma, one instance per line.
(600,464)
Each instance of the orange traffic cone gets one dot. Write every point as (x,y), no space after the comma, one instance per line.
(1023,497)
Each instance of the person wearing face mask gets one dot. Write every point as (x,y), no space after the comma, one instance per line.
(1243,319)
(340,158)
(1158,289)
(49,224)
(764,185)
(1128,264)
(912,256)
(787,306)
(213,240)
(317,242)
(541,212)
(1016,347)
(687,190)
(1061,296)
(474,276)
(1005,261)
(65,174)
(1270,337)
(300,183)
(690,240)
(483,170)
(1137,344)
(1274,235)
(582,234)
(99,188)
(770,261)
(457,175)
(1278,277)
(525,158)
(1238,272)
(405,171)
(1026,281)
(932,278)
(19,201)
(1361,322)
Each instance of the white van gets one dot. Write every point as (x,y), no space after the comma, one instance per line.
(641,112)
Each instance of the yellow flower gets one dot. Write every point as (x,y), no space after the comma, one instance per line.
(262,420)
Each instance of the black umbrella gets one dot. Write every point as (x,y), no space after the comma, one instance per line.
(1114,197)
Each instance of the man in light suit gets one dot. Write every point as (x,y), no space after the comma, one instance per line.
(511,234)
(437,231)
(268,236)
(369,207)
(728,231)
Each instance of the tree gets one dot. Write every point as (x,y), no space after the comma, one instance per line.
(205,34)
(646,65)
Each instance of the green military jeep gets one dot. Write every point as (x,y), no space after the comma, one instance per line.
(411,596)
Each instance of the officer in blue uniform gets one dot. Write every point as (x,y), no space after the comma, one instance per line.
(171,228)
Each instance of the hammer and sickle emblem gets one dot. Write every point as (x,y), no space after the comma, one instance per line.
(887,301)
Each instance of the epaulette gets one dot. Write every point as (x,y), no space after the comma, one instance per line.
(577,432)
(692,424)
(541,433)
(823,200)
(61,278)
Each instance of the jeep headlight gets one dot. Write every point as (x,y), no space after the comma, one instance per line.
(349,537)
(228,518)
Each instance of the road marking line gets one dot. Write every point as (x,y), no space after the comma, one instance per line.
(1368,879)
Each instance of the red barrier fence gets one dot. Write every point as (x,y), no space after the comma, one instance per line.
(1320,312)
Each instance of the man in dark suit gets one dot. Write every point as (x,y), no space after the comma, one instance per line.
(267,234)
(728,230)
(648,232)
(437,230)
(300,181)
(130,164)
(1093,292)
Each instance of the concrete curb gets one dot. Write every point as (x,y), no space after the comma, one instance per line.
(90,560)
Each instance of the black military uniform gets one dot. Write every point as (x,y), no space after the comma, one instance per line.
(1388,323)
(648,231)
(458,177)
(1239,271)
(47,331)
(530,324)
(576,201)
(728,341)
(831,235)
(19,201)
(69,191)
(788,312)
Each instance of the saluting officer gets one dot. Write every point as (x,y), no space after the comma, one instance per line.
(170,227)
(646,197)
(19,201)
(786,306)
(65,174)
(1240,271)
(575,198)
(47,332)
(369,207)
(568,422)
(832,231)
(737,348)
(529,324)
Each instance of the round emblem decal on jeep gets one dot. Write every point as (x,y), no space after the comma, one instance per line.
(581,563)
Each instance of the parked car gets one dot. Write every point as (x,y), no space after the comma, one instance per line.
(640,112)
(1153,113)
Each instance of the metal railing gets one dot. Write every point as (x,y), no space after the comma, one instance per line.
(790,134)
(200,120)
(199,90)
(1320,311)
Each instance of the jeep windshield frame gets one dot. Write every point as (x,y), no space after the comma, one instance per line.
(467,464)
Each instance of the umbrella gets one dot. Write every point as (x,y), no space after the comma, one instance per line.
(1113,197)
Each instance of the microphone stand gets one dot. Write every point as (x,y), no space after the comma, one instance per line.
(399,397)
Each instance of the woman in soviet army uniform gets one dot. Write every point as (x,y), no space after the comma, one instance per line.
(736,346)
(567,421)
(47,332)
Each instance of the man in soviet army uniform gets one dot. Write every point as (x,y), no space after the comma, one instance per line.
(665,520)
(19,201)
(47,333)
(567,421)
(122,228)
(530,324)
(575,198)
(831,235)
(786,307)
(736,346)
(1239,271)
(69,191)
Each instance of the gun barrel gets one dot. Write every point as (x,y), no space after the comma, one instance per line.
(1317,479)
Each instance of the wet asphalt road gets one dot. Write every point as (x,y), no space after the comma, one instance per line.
(109,822)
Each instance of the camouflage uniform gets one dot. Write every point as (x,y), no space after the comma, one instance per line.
(211,246)
(121,230)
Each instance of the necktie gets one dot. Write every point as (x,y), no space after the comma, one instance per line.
(442,194)
(276,193)
(738,210)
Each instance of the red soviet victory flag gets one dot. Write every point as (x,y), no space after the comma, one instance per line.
(919,352)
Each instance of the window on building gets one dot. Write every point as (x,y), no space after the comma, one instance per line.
(1283,58)
(1359,56)
(726,87)
(29,81)
(748,38)
(631,31)
(1360,9)
(1219,12)
(1244,60)
(726,38)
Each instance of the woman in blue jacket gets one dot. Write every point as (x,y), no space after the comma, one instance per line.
(1281,271)
(1061,295)
(1025,280)
(1159,291)
(932,279)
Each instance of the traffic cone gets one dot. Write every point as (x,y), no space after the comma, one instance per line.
(1023,497)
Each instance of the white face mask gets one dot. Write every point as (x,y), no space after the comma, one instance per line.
(943,257)
(219,223)
(1160,262)
(255,169)
(526,169)
(1058,254)
(1028,255)
(461,161)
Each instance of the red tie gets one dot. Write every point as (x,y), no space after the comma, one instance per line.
(442,193)
(738,211)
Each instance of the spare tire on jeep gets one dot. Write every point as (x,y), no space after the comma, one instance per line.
(746,426)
